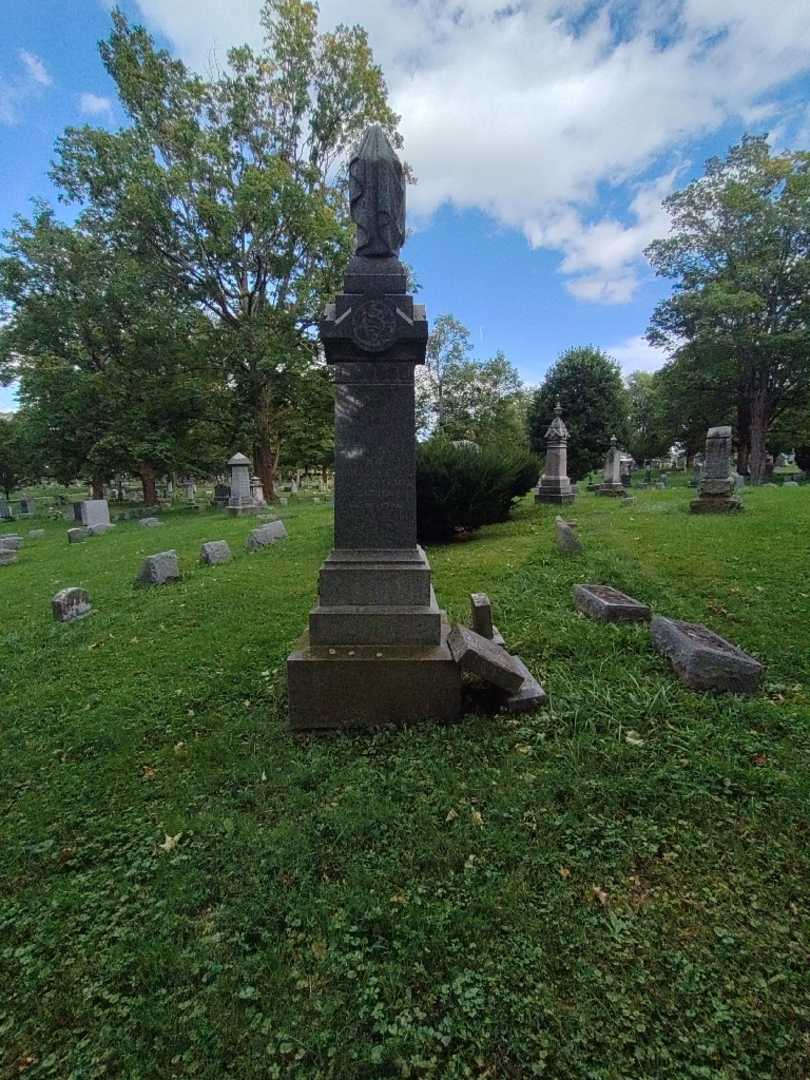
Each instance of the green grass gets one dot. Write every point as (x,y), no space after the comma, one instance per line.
(505,897)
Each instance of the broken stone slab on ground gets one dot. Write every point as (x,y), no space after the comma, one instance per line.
(78,535)
(608,604)
(215,551)
(529,697)
(484,658)
(100,528)
(568,543)
(160,569)
(266,534)
(702,659)
(149,522)
(71,604)
(481,611)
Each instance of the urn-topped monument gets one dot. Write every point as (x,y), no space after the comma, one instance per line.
(376,649)
(554,486)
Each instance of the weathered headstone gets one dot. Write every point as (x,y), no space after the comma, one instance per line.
(240,501)
(612,472)
(481,611)
(369,659)
(257,491)
(568,543)
(7,556)
(608,604)
(78,535)
(149,522)
(160,569)
(94,512)
(36,534)
(702,659)
(716,486)
(484,658)
(100,528)
(11,541)
(283,500)
(215,551)
(221,495)
(529,697)
(5,511)
(554,486)
(71,604)
(28,506)
(266,534)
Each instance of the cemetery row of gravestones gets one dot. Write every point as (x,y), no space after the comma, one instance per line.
(702,659)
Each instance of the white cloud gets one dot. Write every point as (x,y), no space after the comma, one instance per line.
(94,105)
(533,111)
(36,69)
(636,354)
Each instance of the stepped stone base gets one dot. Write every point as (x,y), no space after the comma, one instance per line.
(616,490)
(710,504)
(371,685)
(241,511)
(557,497)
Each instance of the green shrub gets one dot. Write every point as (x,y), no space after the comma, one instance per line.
(458,488)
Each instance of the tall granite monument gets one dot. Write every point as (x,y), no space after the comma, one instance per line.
(717,487)
(554,486)
(240,500)
(612,472)
(376,650)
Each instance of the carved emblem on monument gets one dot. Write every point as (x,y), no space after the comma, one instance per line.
(374,325)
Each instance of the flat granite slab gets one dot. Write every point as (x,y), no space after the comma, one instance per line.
(608,604)
(484,658)
(703,660)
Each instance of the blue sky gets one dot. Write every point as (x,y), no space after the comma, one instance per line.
(544,135)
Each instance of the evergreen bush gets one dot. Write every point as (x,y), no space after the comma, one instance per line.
(460,488)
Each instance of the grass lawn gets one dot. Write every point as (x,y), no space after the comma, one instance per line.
(615,887)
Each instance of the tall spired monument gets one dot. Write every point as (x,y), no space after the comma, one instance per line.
(376,649)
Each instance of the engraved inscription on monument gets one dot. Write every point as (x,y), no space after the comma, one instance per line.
(374,325)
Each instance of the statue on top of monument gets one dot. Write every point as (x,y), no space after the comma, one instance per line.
(377,195)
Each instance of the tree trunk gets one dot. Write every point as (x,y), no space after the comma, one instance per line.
(264,451)
(743,436)
(97,488)
(149,482)
(759,436)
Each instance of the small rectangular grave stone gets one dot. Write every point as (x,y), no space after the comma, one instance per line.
(481,610)
(71,604)
(702,659)
(11,541)
(78,535)
(484,658)
(568,543)
(149,522)
(608,604)
(160,569)
(7,556)
(36,534)
(266,534)
(215,551)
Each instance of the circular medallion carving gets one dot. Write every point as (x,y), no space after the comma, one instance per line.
(374,325)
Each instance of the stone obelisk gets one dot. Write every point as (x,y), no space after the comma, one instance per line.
(554,486)
(376,649)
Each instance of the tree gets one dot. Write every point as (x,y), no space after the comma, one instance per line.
(460,397)
(738,254)
(649,436)
(588,385)
(113,366)
(16,458)
(232,186)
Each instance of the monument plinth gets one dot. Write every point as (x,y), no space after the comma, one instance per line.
(554,486)
(376,648)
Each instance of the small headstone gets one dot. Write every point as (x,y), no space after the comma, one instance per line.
(565,534)
(36,534)
(78,535)
(612,472)
(94,512)
(7,556)
(702,659)
(28,506)
(160,569)
(11,541)
(100,528)
(266,534)
(283,500)
(71,604)
(5,511)
(481,611)
(790,483)
(529,697)
(609,605)
(215,551)
(484,658)
(149,522)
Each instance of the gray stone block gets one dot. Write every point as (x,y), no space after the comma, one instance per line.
(71,604)
(375,625)
(568,543)
(100,528)
(529,697)
(36,534)
(481,611)
(160,569)
(149,522)
(702,659)
(11,541)
(7,556)
(266,534)
(608,604)
(215,551)
(377,578)
(78,535)
(484,658)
